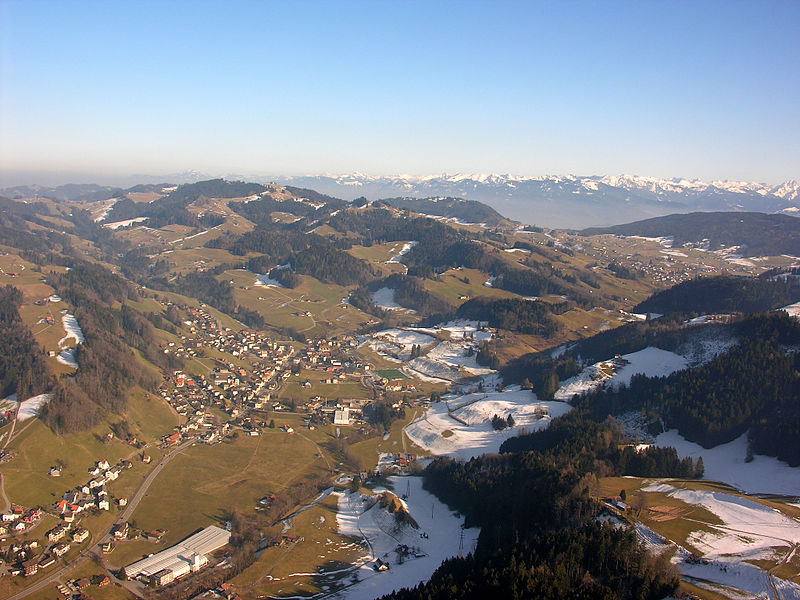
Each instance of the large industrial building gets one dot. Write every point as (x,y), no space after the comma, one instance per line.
(187,556)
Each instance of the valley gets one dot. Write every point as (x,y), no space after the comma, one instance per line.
(296,368)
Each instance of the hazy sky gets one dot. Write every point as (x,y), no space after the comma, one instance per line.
(691,89)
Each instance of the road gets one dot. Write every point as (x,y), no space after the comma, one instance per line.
(3,494)
(94,550)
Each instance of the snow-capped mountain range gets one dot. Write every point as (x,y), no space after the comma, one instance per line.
(568,201)
(565,201)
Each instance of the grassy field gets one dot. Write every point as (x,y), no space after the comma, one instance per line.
(391,374)
(379,255)
(313,307)
(346,388)
(38,448)
(201,485)
(467,283)
(284,571)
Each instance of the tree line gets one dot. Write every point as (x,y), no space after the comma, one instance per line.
(23,363)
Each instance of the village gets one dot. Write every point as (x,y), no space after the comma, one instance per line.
(230,398)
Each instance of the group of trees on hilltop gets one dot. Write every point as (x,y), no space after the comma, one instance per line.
(512,314)
(307,254)
(753,233)
(723,294)
(579,441)
(171,209)
(410,292)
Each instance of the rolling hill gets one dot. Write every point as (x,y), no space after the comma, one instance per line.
(749,233)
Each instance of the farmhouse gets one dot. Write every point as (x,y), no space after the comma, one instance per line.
(187,556)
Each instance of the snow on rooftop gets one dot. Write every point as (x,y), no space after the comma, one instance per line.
(203,542)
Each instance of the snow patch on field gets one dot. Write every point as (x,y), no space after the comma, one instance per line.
(748,528)
(72,328)
(266,281)
(666,241)
(456,355)
(68,357)
(118,224)
(732,578)
(359,516)
(471,432)
(453,360)
(707,345)
(405,249)
(384,298)
(73,331)
(652,362)
(424,367)
(104,209)
(728,575)
(462,329)
(30,407)
(726,462)
(792,309)
(397,343)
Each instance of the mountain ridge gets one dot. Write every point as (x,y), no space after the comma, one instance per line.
(567,201)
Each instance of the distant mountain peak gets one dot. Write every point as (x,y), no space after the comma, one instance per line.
(567,201)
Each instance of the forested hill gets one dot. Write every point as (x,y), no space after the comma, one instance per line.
(723,294)
(753,387)
(468,211)
(171,209)
(756,234)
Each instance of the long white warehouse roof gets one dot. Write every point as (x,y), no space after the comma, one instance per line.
(203,542)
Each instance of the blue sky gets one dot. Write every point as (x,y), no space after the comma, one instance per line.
(690,89)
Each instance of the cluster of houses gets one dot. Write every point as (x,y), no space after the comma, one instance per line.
(91,495)
(395,464)
(19,519)
(25,556)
